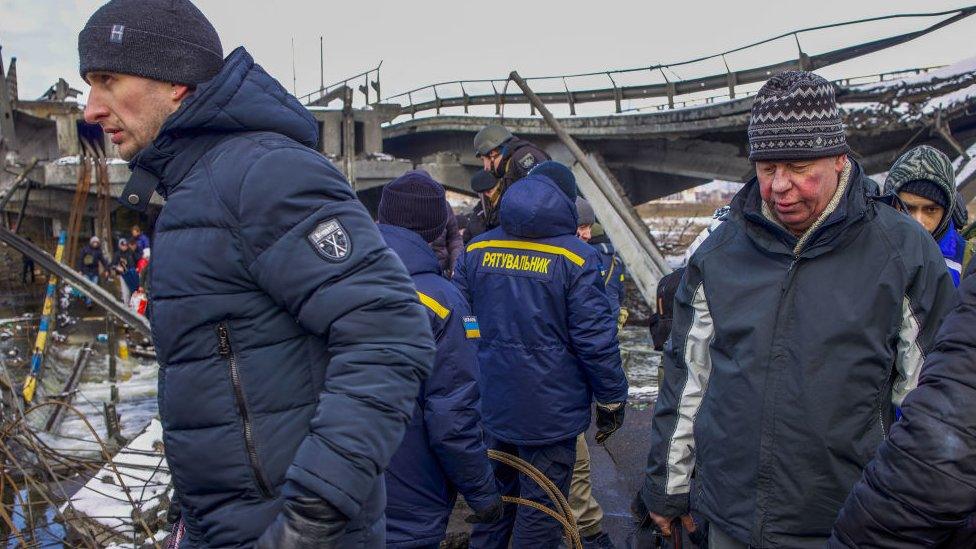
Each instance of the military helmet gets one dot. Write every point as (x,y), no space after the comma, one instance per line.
(489,138)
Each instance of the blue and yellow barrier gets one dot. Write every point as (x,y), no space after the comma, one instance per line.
(47,316)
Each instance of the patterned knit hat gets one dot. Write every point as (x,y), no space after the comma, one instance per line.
(795,117)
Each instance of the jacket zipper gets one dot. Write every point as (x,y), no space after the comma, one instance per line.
(787,282)
(223,335)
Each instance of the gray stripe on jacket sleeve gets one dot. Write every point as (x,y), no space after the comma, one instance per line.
(698,361)
(909,360)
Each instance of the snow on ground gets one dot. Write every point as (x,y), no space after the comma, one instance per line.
(138,474)
(74,161)
(137,406)
(640,362)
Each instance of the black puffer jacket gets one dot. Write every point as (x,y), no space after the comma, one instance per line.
(290,341)
(922,484)
(784,365)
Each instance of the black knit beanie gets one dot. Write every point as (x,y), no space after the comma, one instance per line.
(483,181)
(415,201)
(164,40)
(926,189)
(795,117)
(559,174)
(584,211)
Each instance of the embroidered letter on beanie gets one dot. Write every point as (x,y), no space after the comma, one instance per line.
(117,32)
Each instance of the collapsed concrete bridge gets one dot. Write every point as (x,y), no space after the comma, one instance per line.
(687,138)
(655,154)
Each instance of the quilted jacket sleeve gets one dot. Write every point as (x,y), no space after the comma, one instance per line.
(451,412)
(922,483)
(687,368)
(927,299)
(314,249)
(593,334)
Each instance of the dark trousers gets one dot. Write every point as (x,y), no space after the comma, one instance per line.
(525,526)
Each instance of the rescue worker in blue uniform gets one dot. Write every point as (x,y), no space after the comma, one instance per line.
(443,451)
(592,233)
(586,509)
(548,348)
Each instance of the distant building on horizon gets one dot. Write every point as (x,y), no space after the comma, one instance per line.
(715,192)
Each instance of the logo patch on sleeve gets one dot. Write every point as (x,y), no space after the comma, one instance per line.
(330,240)
(471,328)
(527,161)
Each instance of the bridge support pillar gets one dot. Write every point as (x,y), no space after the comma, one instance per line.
(644,271)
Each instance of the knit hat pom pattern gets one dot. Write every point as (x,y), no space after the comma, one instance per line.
(415,201)
(795,117)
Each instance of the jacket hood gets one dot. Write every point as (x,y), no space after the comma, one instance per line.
(925,163)
(603,245)
(416,255)
(242,97)
(534,207)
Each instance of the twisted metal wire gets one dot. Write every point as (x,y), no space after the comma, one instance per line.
(31,471)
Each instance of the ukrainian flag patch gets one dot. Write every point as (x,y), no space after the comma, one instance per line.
(471,328)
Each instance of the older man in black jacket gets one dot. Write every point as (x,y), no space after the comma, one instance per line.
(801,322)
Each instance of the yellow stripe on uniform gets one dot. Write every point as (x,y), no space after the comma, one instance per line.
(473,334)
(532,246)
(433,305)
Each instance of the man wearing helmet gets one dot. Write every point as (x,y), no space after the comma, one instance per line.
(507,158)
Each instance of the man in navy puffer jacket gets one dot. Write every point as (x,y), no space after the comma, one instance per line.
(290,341)
(443,452)
(548,345)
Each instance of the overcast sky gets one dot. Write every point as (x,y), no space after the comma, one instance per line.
(422,42)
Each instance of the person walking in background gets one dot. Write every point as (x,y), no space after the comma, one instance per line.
(449,243)
(547,349)
(27,267)
(586,509)
(140,241)
(925,183)
(507,159)
(124,266)
(592,233)
(92,263)
(443,451)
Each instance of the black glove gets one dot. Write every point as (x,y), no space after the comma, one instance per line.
(489,515)
(609,418)
(173,514)
(638,508)
(304,523)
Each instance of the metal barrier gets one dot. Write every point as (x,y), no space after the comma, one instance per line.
(670,88)
(312,98)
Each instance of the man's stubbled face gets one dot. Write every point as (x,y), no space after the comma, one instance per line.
(130,109)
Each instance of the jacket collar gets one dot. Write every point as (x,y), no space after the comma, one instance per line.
(851,206)
(242,97)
